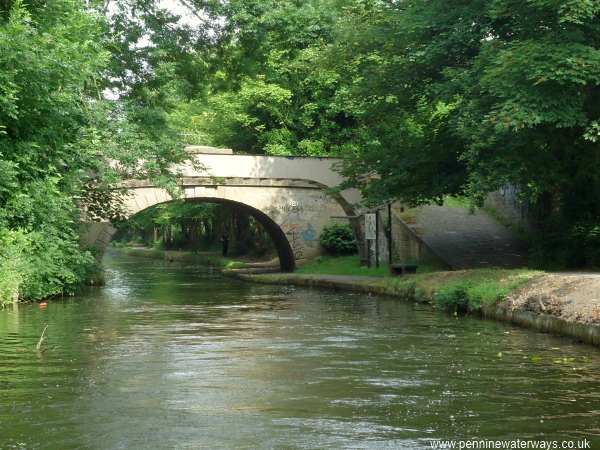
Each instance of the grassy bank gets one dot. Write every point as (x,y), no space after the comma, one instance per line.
(465,290)
(202,258)
(455,291)
(341,265)
(350,265)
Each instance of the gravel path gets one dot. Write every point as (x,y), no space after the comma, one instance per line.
(574,297)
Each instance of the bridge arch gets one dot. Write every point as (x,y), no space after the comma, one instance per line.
(290,197)
(287,261)
(284,250)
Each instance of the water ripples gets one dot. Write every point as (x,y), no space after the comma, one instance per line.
(170,357)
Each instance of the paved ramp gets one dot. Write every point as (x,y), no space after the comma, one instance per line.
(465,239)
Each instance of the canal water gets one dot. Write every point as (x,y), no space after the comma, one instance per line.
(169,355)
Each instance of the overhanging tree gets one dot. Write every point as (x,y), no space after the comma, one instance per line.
(469,98)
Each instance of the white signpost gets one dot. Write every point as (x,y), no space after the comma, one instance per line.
(370,226)
(371,237)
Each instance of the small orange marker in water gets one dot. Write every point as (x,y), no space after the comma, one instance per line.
(43,305)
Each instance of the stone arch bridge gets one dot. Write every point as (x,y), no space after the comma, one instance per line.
(289,196)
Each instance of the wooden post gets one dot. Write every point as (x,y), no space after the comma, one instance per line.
(377,238)
(390,235)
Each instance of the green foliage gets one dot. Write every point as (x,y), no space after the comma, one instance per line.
(471,290)
(588,237)
(459,203)
(62,146)
(469,98)
(338,239)
(13,267)
(36,265)
(271,93)
(567,245)
(452,299)
(235,264)
(47,63)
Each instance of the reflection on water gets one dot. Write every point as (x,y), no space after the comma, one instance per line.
(169,356)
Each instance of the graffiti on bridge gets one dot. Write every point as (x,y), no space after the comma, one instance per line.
(300,237)
(294,206)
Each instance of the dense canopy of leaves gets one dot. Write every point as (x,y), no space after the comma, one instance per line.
(60,140)
(469,98)
(425,100)
(42,110)
(272,90)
